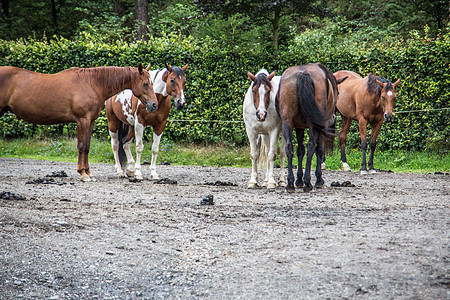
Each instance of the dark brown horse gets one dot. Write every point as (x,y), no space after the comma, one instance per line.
(124,108)
(306,99)
(368,100)
(73,95)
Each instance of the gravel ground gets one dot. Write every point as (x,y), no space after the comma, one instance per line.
(386,237)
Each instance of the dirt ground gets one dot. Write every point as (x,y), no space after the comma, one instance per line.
(386,237)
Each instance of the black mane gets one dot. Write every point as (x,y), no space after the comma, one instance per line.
(373,87)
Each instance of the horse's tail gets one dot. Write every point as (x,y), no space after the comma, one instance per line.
(122,135)
(262,159)
(308,105)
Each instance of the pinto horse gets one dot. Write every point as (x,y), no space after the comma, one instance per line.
(307,98)
(73,95)
(262,121)
(125,108)
(368,100)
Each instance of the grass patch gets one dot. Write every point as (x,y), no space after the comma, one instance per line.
(65,149)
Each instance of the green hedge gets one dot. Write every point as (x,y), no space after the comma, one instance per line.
(216,79)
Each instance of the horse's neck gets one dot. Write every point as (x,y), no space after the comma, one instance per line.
(113,80)
(159,86)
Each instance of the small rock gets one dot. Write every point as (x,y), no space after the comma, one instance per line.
(207,200)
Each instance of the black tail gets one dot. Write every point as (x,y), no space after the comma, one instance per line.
(308,105)
(122,134)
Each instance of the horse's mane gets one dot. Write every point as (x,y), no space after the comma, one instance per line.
(114,77)
(178,71)
(261,77)
(373,87)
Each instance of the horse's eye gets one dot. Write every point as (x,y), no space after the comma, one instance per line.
(146,85)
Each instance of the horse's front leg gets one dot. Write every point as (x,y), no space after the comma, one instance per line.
(115,149)
(346,122)
(139,135)
(363,134)
(373,144)
(271,155)
(84,132)
(287,134)
(254,155)
(282,175)
(155,151)
(300,153)
(313,137)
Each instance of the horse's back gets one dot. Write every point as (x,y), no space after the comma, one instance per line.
(349,93)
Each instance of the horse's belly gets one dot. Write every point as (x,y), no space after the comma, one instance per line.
(42,113)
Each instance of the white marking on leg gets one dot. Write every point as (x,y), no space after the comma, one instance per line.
(345,166)
(139,134)
(115,150)
(155,151)
(130,159)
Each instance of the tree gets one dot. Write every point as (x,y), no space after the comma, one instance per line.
(142,19)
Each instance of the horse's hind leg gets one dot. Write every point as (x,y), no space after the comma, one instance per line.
(313,137)
(300,153)
(282,176)
(115,149)
(139,135)
(287,134)
(130,160)
(84,132)
(320,154)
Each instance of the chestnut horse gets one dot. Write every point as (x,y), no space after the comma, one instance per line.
(73,95)
(263,126)
(125,108)
(307,98)
(368,100)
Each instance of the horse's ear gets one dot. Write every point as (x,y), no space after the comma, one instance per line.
(271,75)
(140,68)
(168,67)
(165,75)
(251,76)
(396,83)
(184,68)
(339,81)
(148,68)
(382,85)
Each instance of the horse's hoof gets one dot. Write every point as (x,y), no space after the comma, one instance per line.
(290,188)
(307,188)
(264,184)
(139,177)
(372,171)
(121,175)
(299,183)
(364,172)
(130,173)
(271,185)
(251,185)
(345,167)
(282,183)
(155,177)
(93,179)
(320,184)
(85,178)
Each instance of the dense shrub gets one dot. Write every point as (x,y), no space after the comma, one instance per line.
(216,78)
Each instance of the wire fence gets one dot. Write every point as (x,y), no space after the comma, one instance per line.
(233,121)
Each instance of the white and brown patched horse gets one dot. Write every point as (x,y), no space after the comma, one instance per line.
(125,108)
(263,126)
(75,95)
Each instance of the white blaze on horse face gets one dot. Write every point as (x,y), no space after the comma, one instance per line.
(262,96)
(124,98)
(389,93)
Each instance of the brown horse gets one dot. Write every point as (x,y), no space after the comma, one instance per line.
(368,100)
(73,95)
(306,98)
(124,108)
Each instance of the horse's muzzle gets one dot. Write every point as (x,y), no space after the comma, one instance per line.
(179,103)
(261,116)
(151,106)
(388,117)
